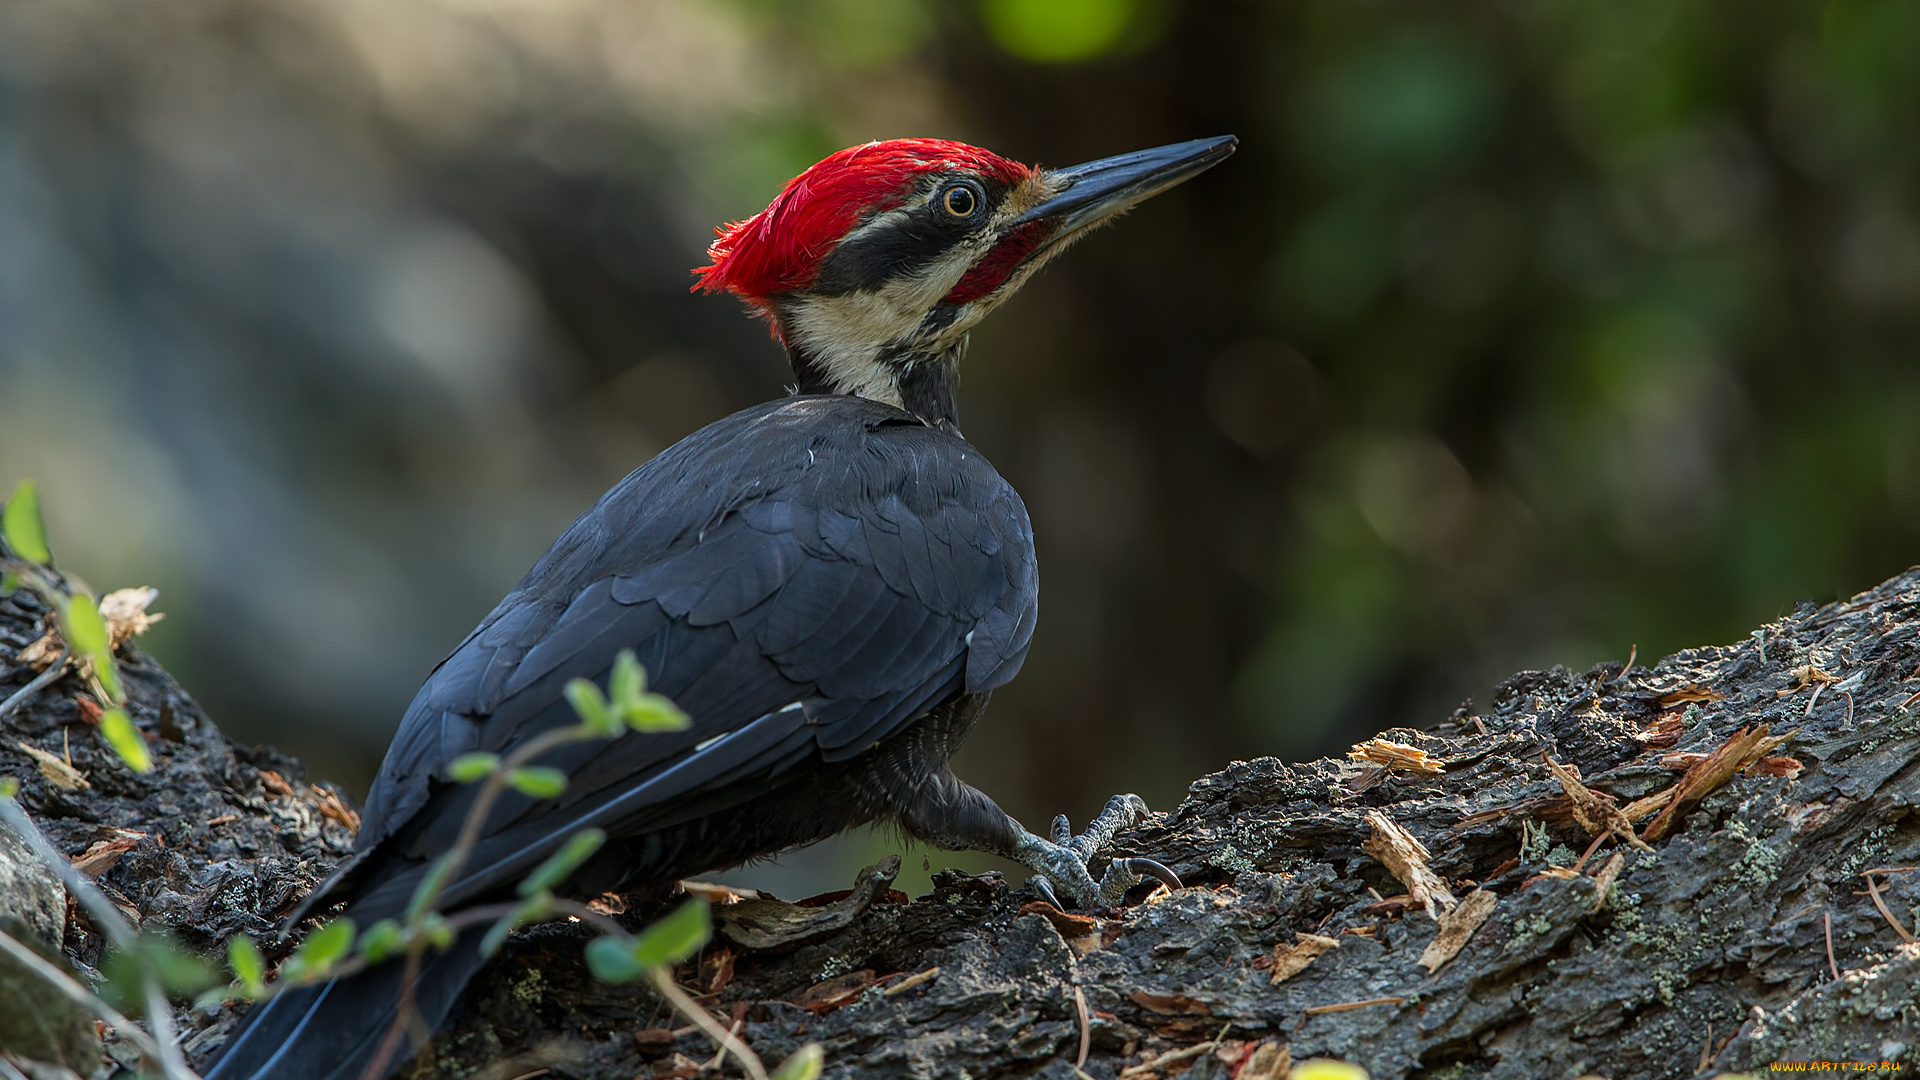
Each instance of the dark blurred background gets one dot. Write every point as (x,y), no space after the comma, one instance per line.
(1517,334)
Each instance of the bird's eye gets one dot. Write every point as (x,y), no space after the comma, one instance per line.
(960,201)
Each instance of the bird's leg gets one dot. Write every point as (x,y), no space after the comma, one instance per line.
(944,811)
(1062,862)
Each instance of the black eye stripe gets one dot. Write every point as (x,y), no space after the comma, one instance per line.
(901,244)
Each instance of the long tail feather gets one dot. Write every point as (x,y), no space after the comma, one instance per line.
(333,1030)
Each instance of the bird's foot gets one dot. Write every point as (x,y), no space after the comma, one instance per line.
(1062,863)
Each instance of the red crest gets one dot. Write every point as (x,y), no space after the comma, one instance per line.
(780,248)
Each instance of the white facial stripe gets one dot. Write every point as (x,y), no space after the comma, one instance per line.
(847,334)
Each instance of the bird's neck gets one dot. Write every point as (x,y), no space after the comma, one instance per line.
(921,382)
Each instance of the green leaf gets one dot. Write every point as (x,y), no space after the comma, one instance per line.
(86,630)
(125,739)
(538,781)
(20,524)
(591,705)
(381,940)
(437,931)
(470,767)
(629,679)
(563,862)
(243,956)
(655,713)
(428,891)
(9,787)
(87,633)
(802,1064)
(675,937)
(611,961)
(325,946)
(9,581)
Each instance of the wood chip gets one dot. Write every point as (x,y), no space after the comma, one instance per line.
(1456,927)
(1741,749)
(770,924)
(1395,755)
(1653,803)
(1406,857)
(333,807)
(1595,811)
(1291,960)
(1804,676)
(55,769)
(104,855)
(1603,881)
(126,615)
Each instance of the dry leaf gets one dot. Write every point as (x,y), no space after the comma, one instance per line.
(1291,960)
(1690,694)
(1407,858)
(1395,755)
(1170,1004)
(1456,927)
(1269,1061)
(55,769)
(823,998)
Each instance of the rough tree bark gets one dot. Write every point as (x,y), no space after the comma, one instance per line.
(1709,950)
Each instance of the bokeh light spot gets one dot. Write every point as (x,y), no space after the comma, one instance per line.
(1058,31)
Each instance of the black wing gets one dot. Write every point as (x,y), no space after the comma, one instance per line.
(803,578)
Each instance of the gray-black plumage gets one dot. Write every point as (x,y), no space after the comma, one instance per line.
(829,586)
(806,579)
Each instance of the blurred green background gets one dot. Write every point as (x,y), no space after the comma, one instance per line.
(1520,332)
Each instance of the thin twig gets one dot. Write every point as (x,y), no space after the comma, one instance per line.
(1345,1005)
(1848,694)
(664,985)
(39,683)
(77,993)
(720,1052)
(1591,848)
(1874,891)
(1086,1029)
(99,908)
(390,1042)
(1174,1057)
(1832,964)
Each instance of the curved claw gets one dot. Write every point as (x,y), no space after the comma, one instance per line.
(1156,870)
(1040,885)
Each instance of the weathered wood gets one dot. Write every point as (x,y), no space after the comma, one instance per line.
(1711,948)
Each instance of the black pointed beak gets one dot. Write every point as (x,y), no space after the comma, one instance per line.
(1093,192)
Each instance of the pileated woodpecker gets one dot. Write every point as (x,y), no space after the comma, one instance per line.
(829,585)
